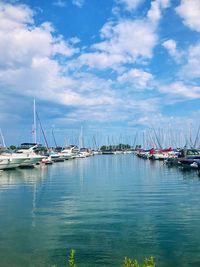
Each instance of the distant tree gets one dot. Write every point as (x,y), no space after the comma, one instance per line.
(12,147)
(103,148)
(116,147)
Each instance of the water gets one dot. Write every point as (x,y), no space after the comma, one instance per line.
(105,207)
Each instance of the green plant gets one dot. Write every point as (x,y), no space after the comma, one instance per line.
(130,263)
(71,259)
(148,262)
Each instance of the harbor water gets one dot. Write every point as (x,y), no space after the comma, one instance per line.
(105,207)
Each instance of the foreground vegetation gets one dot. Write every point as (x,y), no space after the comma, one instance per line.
(148,262)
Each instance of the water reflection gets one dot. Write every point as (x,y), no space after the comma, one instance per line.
(22,176)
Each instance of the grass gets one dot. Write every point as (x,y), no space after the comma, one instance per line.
(128,262)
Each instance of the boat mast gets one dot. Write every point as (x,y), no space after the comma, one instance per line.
(197,137)
(2,138)
(54,138)
(81,140)
(34,123)
(157,139)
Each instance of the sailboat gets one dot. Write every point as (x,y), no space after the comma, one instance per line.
(28,149)
(83,152)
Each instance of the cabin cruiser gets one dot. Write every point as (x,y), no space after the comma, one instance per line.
(70,152)
(162,154)
(56,157)
(10,161)
(143,153)
(84,152)
(96,152)
(185,158)
(29,150)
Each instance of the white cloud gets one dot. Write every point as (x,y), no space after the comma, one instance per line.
(131,39)
(130,5)
(189,10)
(124,42)
(60,3)
(137,78)
(44,80)
(155,12)
(63,3)
(78,3)
(192,68)
(120,110)
(21,41)
(180,89)
(101,60)
(26,53)
(29,66)
(171,47)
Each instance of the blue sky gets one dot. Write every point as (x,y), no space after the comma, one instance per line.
(114,67)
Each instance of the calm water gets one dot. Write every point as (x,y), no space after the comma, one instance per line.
(105,207)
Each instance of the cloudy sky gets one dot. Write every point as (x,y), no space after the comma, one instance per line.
(111,66)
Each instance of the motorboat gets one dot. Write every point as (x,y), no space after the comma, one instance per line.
(10,161)
(85,152)
(70,152)
(47,161)
(56,157)
(28,150)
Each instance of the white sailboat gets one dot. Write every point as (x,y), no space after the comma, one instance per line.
(28,149)
(83,152)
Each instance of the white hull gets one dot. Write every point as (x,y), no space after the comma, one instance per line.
(8,164)
(67,155)
(31,161)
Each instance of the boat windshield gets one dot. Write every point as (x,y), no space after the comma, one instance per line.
(191,152)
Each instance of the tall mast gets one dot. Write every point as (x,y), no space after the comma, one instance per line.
(2,137)
(34,123)
(81,140)
(54,139)
(197,137)
(157,139)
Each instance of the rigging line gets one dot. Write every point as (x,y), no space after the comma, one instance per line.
(46,143)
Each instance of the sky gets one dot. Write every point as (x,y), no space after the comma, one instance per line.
(113,67)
